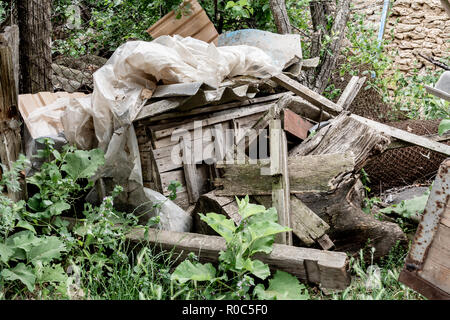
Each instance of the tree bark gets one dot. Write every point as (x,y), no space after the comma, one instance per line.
(35,45)
(351,228)
(318,79)
(280,16)
(10,141)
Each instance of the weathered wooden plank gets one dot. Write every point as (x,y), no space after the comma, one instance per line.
(280,184)
(331,265)
(428,260)
(305,224)
(215,118)
(307,94)
(434,137)
(303,216)
(436,268)
(190,172)
(350,92)
(213,108)
(306,174)
(404,135)
(10,140)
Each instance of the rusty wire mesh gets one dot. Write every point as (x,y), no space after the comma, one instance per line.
(405,166)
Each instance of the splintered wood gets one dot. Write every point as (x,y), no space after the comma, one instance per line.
(427,266)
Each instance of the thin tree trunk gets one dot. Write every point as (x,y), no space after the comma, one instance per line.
(35,45)
(280,16)
(318,78)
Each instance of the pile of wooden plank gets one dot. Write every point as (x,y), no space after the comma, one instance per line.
(310,174)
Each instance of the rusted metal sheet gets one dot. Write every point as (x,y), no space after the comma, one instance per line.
(296,125)
(427,266)
(194,23)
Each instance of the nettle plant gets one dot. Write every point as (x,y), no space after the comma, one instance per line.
(238,270)
(37,249)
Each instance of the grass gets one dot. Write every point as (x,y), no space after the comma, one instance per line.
(372,281)
(147,277)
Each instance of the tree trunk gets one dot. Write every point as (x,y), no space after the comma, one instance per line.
(350,228)
(10,141)
(280,16)
(318,79)
(35,45)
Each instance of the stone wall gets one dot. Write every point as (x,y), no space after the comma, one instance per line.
(418,26)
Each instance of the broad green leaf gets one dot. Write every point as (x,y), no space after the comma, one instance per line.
(5,253)
(25,225)
(230,4)
(194,271)
(264,245)
(282,286)
(22,273)
(257,268)
(83,164)
(53,274)
(263,229)
(411,208)
(444,126)
(251,209)
(219,223)
(22,242)
(48,249)
(35,202)
(59,207)
(268,215)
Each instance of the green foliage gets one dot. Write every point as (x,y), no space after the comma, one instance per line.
(173,186)
(409,208)
(35,241)
(3,6)
(283,286)
(234,278)
(444,126)
(61,180)
(379,281)
(105,25)
(194,271)
(404,92)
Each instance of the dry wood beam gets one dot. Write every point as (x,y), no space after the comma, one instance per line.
(350,92)
(190,172)
(327,268)
(404,135)
(307,94)
(305,224)
(434,137)
(312,173)
(215,118)
(280,174)
(160,110)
